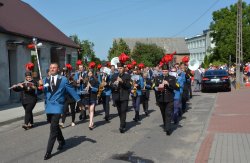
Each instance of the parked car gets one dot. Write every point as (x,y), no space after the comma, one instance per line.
(216,80)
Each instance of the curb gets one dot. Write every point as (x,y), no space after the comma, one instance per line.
(195,152)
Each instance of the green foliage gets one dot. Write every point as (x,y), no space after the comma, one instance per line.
(96,60)
(149,54)
(205,63)
(118,48)
(218,63)
(224,29)
(75,39)
(86,50)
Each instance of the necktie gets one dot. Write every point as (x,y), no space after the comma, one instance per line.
(53,85)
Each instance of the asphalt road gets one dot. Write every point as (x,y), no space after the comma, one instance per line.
(144,142)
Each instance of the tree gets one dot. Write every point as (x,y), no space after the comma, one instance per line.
(149,54)
(75,39)
(87,50)
(118,48)
(223,29)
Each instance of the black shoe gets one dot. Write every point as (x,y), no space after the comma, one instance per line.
(146,113)
(92,127)
(61,144)
(80,117)
(122,130)
(47,156)
(107,119)
(26,127)
(135,119)
(168,132)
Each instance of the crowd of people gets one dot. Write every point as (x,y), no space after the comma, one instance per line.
(80,91)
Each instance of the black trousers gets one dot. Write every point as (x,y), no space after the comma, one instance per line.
(72,109)
(55,131)
(105,104)
(145,103)
(122,107)
(28,118)
(166,112)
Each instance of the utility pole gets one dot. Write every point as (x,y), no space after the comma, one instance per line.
(239,50)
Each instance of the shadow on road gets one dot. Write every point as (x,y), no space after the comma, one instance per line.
(73,142)
(41,123)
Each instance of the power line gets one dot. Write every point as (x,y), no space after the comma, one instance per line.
(196,20)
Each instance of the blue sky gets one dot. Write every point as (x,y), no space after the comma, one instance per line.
(99,21)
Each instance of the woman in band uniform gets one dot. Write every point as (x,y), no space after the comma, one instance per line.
(28,90)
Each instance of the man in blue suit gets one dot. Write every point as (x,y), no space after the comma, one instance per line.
(55,87)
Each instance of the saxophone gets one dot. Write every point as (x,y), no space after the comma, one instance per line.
(102,86)
(133,91)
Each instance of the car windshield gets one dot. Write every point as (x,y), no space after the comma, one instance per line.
(216,73)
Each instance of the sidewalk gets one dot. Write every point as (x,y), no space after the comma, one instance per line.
(15,112)
(227,138)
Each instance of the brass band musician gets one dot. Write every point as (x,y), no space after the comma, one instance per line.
(146,92)
(120,85)
(104,93)
(136,92)
(28,90)
(165,86)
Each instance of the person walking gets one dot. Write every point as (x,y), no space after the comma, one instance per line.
(120,85)
(165,86)
(55,87)
(28,90)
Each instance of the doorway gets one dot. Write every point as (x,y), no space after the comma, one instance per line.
(12,60)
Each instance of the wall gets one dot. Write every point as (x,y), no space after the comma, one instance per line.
(17,62)
(20,55)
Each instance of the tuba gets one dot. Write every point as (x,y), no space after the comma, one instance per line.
(114,61)
(193,64)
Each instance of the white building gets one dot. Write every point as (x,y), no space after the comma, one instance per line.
(19,23)
(199,46)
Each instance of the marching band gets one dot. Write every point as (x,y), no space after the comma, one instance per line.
(83,89)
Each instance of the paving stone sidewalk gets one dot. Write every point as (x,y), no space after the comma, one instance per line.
(227,138)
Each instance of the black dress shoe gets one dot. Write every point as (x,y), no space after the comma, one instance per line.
(80,117)
(107,119)
(135,119)
(146,113)
(26,127)
(168,132)
(47,156)
(122,130)
(60,146)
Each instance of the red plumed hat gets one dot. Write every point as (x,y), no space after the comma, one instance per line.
(78,62)
(91,64)
(69,67)
(99,66)
(185,59)
(123,58)
(29,66)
